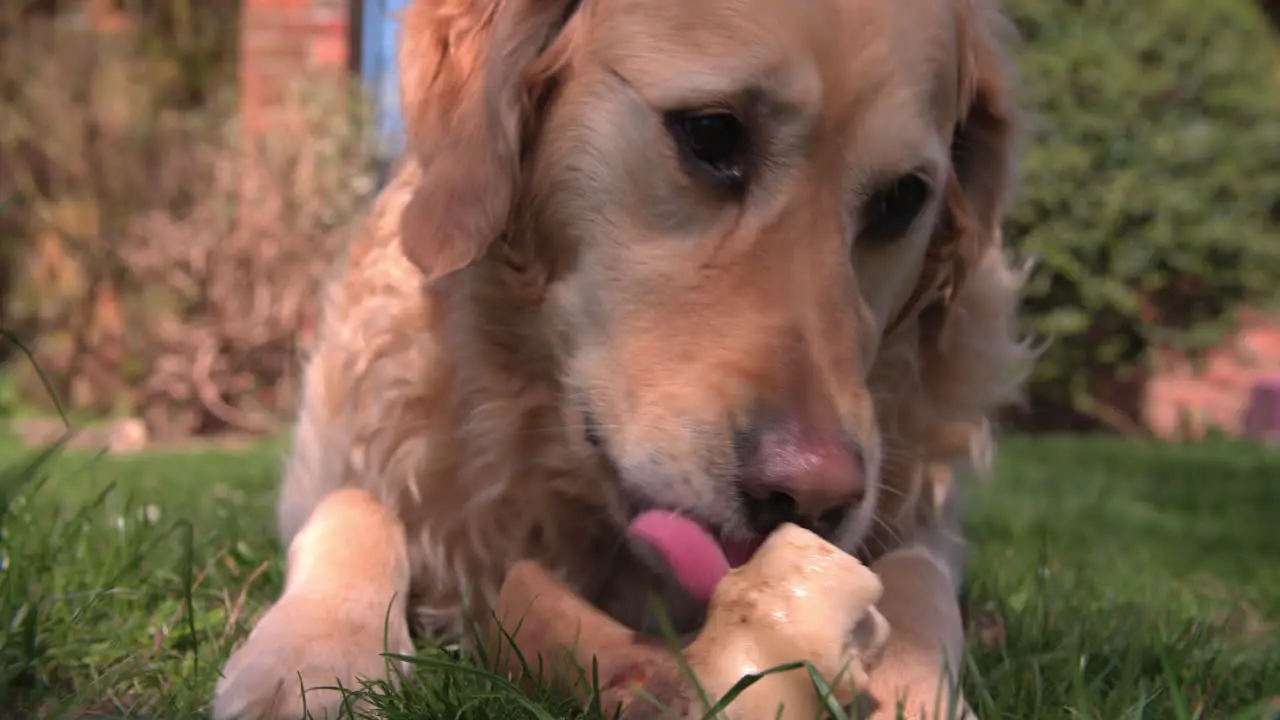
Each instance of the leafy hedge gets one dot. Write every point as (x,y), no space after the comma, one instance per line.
(1152,189)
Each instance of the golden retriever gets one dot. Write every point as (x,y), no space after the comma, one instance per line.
(738,261)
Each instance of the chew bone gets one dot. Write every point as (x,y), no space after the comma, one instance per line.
(798,599)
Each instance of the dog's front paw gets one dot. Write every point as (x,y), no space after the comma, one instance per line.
(917,676)
(304,643)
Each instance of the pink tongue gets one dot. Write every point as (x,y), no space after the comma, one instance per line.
(695,558)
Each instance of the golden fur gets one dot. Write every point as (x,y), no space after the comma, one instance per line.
(544,255)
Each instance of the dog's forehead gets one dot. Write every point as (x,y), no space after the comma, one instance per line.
(806,53)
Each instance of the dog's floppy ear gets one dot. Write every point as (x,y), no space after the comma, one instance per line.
(983,153)
(984,146)
(973,358)
(468,71)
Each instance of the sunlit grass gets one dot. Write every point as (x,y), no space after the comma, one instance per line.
(1111,580)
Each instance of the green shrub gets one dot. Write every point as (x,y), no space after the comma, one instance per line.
(1152,189)
(164,261)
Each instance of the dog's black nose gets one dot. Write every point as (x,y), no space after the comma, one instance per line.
(789,476)
(765,514)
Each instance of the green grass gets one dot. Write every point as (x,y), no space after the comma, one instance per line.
(1131,581)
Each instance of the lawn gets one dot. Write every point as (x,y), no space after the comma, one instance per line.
(1110,580)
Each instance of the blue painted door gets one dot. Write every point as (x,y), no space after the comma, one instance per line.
(380,30)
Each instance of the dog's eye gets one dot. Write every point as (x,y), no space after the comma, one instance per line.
(892,209)
(716,142)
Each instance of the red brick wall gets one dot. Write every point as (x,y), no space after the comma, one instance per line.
(280,41)
(1182,400)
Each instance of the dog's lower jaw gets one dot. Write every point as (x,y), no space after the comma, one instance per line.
(646,599)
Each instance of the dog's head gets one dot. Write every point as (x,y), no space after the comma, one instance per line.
(733,208)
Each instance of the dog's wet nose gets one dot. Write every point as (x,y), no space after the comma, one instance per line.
(789,474)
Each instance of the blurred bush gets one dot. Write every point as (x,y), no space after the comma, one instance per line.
(163,261)
(197,40)
(1152,190)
